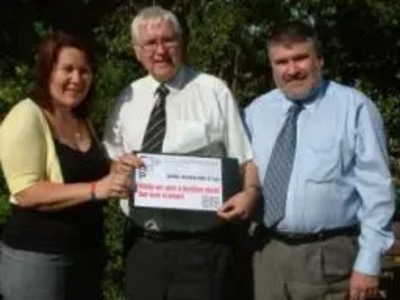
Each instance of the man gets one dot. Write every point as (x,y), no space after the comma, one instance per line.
(175,255)
(320,151)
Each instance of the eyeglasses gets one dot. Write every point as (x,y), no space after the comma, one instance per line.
(151,45)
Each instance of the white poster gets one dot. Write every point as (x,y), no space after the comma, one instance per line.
(179,182)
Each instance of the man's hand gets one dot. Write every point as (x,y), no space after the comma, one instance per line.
(363,286)
(239,206)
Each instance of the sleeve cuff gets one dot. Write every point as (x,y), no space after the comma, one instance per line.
(368,263)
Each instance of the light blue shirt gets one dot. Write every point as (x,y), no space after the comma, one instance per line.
(340,174)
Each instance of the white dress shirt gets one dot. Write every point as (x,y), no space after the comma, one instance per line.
(202,118)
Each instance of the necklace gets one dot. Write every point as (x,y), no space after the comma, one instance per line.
(70,131)
(78,134)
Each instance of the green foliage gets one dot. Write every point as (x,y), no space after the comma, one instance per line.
(117,65)
(113,283)
(14,86)
(112,77)
(4,202)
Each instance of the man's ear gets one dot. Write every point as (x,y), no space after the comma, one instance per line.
(321,62)
(136,52)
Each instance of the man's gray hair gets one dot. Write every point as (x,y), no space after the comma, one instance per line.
(153,14)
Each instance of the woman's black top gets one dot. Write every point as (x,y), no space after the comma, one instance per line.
(78,228)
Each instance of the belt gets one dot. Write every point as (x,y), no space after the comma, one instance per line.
(180,235)
(305,238)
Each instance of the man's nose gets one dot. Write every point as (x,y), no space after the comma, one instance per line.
(292,68)
(161,47)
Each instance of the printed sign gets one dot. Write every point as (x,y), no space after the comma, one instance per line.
(179,182)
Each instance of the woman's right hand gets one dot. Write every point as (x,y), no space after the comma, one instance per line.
(126,164)
(119,182)
(113,186)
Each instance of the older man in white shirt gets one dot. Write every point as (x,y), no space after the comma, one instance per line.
(175,255)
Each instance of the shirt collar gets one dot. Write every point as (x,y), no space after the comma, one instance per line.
(310,103)
(174,85)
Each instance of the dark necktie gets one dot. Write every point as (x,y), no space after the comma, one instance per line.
(155,131)
(279,169)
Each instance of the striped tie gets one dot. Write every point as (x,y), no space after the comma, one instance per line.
(279,169)
(155,131)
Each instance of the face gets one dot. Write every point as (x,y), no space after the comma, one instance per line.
(159,49)
(70,79)
(296,68)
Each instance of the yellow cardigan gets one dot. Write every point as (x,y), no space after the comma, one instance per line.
(27,151)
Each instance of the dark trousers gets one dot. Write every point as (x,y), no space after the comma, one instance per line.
(178,269)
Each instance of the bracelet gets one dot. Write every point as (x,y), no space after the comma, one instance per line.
(92,191)
(256,187)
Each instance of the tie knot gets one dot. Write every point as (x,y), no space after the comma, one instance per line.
(162,91)
(296,108)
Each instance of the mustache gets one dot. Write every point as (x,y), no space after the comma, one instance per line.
(295,77)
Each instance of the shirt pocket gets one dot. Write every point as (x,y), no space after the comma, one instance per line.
(323,161)
(186,136)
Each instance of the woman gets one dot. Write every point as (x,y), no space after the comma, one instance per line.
(58,175)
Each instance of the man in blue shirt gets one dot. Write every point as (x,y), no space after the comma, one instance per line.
(328,196)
